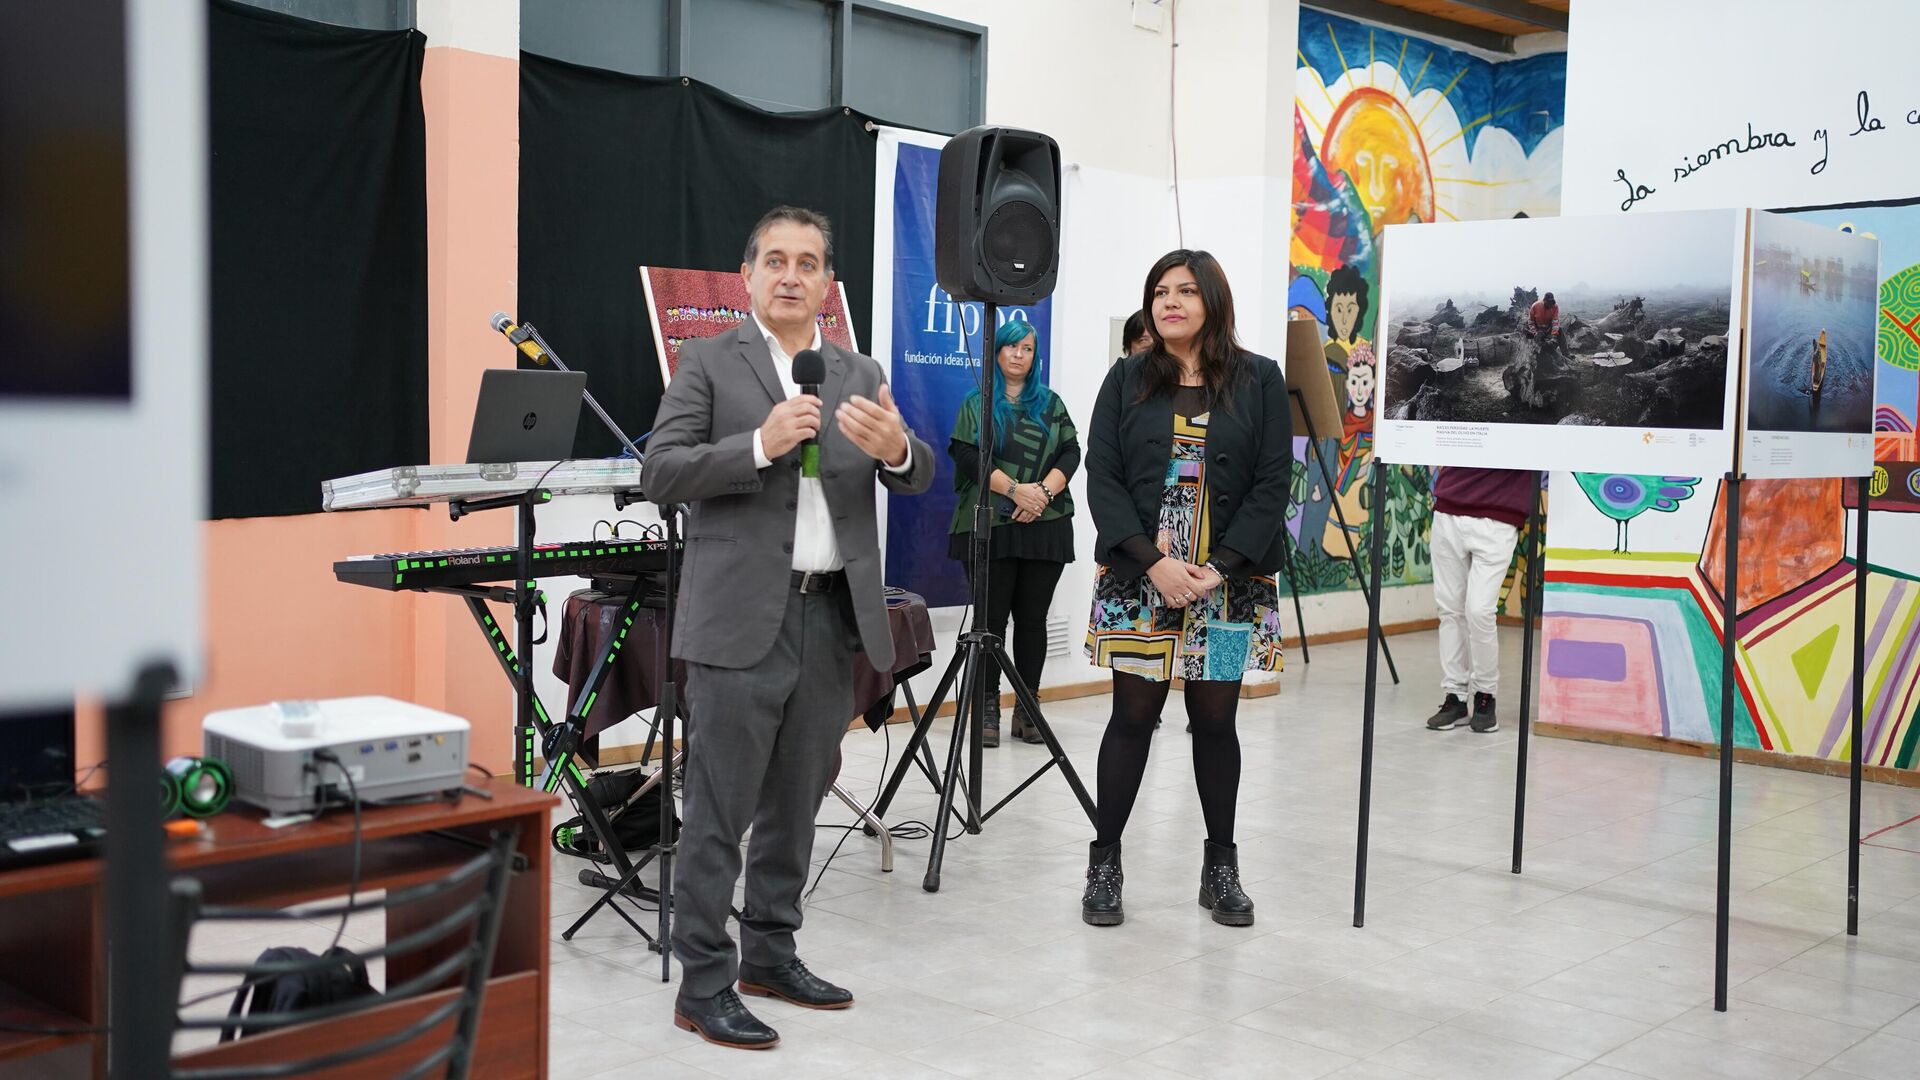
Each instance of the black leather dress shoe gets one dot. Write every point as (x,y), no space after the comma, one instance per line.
(792,982)
(723,1020)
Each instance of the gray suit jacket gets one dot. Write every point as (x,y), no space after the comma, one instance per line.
(736,576)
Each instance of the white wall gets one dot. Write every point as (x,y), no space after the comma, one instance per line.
(1081,72)
(1710,69)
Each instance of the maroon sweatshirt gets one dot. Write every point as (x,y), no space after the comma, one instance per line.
(1500,494)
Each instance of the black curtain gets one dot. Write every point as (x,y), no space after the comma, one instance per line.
(619,171)
(319,257)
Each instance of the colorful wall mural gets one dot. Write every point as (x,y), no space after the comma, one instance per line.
(1393,129)
(1633,633)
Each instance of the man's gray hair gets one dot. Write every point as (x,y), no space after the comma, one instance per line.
(798,215)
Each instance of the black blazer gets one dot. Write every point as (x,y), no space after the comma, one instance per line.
(1249,464)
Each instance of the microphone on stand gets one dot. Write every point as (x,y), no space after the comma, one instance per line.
(521,337)
(527,340)
(809,368)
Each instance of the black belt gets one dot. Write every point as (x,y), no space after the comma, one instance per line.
(819,581)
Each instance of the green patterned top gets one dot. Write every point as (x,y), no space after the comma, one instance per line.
(1027,454)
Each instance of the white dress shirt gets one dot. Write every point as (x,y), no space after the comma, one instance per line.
(815,547)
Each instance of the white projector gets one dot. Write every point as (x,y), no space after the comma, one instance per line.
(392,749)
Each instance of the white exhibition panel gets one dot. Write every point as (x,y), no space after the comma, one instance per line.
(1595,417)
(124,479)
(1727,103)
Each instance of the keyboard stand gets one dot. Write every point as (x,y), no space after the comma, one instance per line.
(534,727)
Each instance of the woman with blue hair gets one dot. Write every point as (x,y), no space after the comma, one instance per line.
(1035,451)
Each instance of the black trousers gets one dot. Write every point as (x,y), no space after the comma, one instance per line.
(1023,590)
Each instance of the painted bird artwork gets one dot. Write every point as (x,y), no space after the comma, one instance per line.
(1625,496)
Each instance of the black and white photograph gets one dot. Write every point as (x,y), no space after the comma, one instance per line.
(1811,352)
(1621,329)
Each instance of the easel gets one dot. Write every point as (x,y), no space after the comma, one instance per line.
(1310,388)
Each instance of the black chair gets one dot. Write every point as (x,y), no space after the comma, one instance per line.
(466,933)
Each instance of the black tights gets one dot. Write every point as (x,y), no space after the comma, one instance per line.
(1216,751)
(1023,590)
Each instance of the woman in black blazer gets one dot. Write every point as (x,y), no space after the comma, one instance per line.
(1189,465)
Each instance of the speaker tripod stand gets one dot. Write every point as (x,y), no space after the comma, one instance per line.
(978,656)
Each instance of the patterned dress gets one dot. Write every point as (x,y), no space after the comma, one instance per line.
(1232,630)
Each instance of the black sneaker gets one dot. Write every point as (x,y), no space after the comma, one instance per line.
(1484,718)
(1452,711)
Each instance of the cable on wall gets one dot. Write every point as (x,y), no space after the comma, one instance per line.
(1173,115)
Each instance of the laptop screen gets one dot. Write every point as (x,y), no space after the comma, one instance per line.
(36,754)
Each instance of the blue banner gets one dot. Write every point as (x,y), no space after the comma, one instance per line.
(937,348)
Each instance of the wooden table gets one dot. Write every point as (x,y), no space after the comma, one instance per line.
(53,949)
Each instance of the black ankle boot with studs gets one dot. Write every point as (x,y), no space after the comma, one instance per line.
(1220,890)
(1100,903)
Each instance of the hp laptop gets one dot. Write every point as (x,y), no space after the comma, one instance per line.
(41,817)
(525,416)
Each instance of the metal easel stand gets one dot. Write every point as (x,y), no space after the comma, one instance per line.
(1374,645)
(1532,605)
(1346,531)
(1861,570)
(1729,644)
(1293,586)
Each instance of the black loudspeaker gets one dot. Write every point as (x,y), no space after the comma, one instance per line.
(996,232)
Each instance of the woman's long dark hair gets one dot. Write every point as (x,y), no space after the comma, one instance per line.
(1221,356)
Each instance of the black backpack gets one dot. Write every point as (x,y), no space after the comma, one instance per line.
(635,817)
(342,981)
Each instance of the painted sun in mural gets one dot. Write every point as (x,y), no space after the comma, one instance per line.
(1402,151)
(1374,140)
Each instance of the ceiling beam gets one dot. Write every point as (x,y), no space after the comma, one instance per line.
(1418,23)
(1522,11)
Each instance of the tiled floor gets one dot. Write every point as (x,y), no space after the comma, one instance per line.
(1596,963)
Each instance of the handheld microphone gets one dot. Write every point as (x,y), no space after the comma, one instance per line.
(809,367)
(519,336)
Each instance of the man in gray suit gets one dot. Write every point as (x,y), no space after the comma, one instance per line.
(780,587)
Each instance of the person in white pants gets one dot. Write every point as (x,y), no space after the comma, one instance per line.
(1477,514)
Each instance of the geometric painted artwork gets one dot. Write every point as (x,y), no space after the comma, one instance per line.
(1633,644)
(1656,612)
(1606,667)
(1811,659)
(1791,531)
(1805,649)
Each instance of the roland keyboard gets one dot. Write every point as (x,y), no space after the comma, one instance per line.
(424,570)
